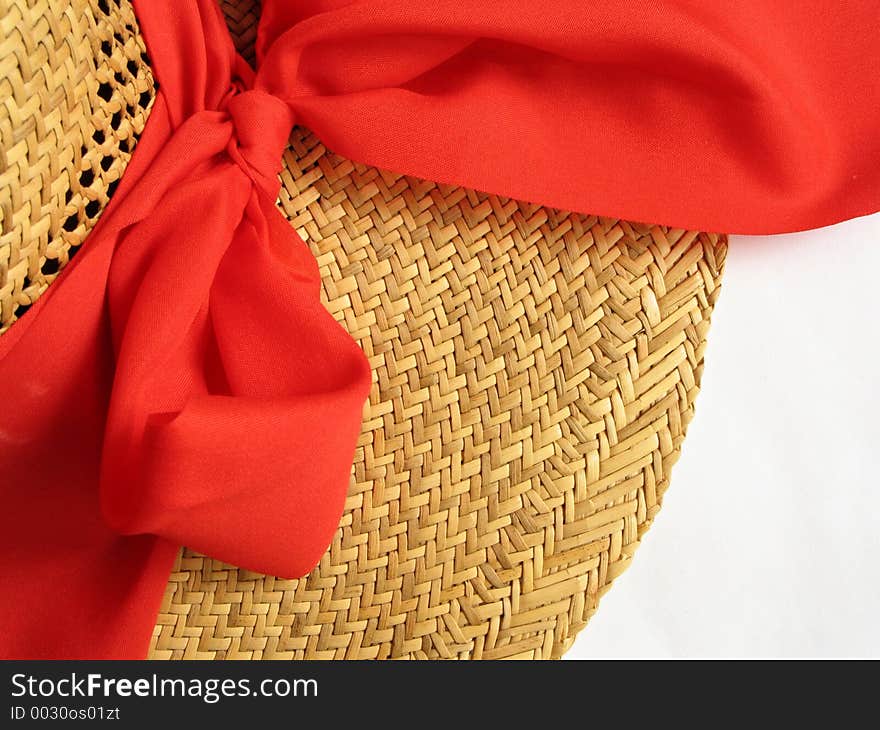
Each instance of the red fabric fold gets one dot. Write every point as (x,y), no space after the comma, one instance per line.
(182,384)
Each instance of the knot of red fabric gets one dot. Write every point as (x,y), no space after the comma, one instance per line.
(195,388)
(262,124)
(225,359)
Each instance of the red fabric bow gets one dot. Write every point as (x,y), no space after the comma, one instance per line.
(181,383)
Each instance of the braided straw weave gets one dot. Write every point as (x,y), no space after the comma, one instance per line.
(534,375)
(75,90)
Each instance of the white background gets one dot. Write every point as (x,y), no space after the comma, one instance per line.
(768,543)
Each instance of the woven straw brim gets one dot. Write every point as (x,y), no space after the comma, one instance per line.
(534,375)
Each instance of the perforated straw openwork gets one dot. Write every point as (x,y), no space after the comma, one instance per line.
(76,89)
(534,375)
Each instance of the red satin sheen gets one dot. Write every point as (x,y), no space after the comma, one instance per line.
(181,384)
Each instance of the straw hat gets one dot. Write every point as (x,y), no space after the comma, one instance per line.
(534,370)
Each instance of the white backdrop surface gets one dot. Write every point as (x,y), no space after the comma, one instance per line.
(768,543)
